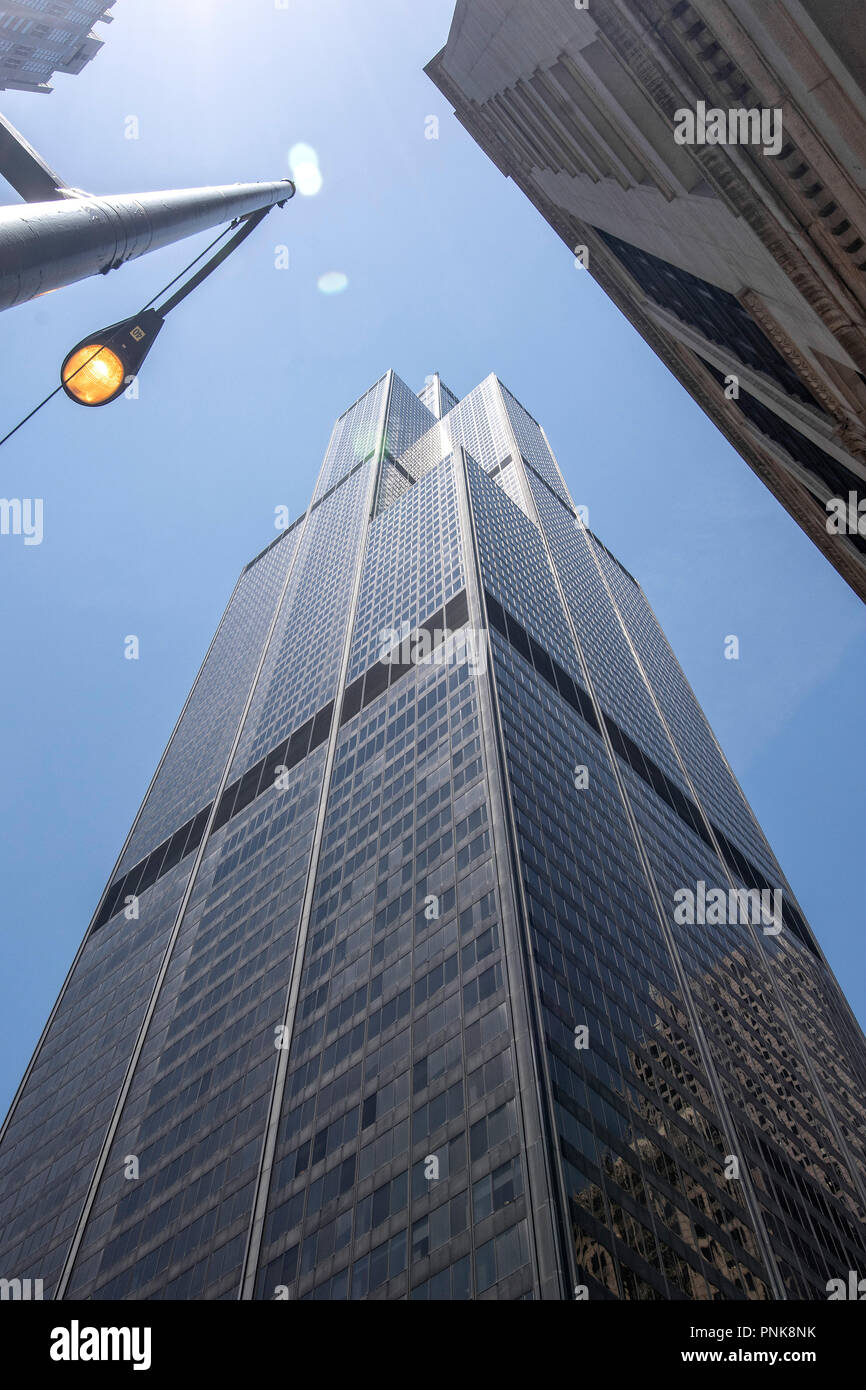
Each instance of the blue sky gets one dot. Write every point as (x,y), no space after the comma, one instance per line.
(152,506)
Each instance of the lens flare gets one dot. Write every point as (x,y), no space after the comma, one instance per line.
(307,179)
(332,282)
(302,154)
(304,166)
(364,439)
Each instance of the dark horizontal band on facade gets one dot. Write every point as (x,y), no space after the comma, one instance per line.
(626,748)
(395,463)
(369,686)
(286,755)
(145,873)
(234,799)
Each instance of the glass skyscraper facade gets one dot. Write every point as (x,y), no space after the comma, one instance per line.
(432,966)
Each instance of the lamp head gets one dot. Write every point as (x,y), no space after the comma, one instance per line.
(101,366)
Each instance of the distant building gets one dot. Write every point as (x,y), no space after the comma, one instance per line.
(41,37)
(731,262)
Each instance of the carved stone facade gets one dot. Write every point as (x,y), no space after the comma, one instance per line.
(729,261)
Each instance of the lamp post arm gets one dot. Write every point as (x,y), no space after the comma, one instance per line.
(248,225)
(46,245)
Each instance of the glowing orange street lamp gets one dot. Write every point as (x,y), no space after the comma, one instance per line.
(101,366)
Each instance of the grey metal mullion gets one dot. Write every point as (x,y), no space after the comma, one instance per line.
(524,1001)
(246,1288)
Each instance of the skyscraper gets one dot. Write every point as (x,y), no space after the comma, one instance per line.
(445,958)
(706,163)
(41,37)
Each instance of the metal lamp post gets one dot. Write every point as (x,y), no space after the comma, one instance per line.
(46,245)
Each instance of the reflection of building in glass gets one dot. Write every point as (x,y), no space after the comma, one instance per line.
(319,1041)
(702,1230)
(41,37)
(730,262)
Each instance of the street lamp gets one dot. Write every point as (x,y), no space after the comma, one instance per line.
(101,366)
(62,234)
